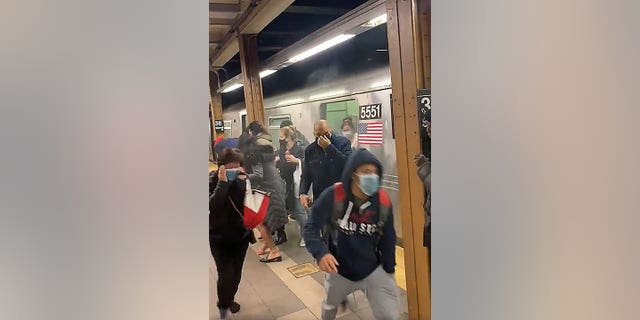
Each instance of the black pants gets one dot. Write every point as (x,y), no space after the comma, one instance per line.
(229,258)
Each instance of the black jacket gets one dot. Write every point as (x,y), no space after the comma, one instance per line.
(323,167)
(424,172)
(287,168)
(225,223)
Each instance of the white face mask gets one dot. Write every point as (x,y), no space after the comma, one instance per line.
(347,133)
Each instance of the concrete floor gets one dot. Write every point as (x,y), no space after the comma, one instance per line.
(270,291)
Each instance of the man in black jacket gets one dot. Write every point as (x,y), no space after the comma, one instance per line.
(228,237)
(324,160)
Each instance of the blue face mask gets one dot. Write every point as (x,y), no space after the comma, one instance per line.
(232,174)
(369,183)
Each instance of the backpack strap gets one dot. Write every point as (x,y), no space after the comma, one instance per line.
(385,210)
(339,197)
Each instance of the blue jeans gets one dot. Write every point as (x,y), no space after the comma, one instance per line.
(300,214)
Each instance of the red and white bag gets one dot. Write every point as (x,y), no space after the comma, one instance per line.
(256,203)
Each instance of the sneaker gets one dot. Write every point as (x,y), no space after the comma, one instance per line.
(302,244)
(281,239)
(343,306)
(234,307)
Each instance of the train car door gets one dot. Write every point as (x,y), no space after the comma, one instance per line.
(335,112)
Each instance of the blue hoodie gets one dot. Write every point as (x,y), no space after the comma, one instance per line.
(359,251)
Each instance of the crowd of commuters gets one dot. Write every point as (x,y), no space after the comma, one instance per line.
(331,189)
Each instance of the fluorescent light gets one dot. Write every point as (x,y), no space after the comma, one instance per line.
(267,73)
(383,83)
(291,101)
(321,47)
(232,87)
(327,94)
(376,21)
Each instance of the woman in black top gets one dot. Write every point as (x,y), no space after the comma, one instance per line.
(291,156)
(228,237)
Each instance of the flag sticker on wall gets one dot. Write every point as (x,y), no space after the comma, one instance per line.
(370,133)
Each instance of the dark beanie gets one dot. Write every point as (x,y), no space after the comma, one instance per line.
(286,123)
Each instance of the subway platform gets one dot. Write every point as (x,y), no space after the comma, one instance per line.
(292,289)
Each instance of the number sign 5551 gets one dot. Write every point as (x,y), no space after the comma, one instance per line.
(373,111)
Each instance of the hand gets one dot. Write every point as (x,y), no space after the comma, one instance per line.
(323,142)
(291,158)
(328,263)
(242,175)
(222,174)
(419,160)
(304,200)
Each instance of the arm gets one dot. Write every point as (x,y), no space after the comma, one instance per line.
(213,181)
(340,152)
(424,171)
(219,195)
(256,174)
(318,218)
(388,245)
(305,184)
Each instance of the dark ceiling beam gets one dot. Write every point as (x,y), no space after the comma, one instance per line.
(221,22)
(224,7)
(283,34)
(325,11)
(269,48)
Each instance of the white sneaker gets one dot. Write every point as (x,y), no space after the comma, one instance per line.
(302,244)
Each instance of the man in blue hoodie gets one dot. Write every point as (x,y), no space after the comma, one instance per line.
(357,248)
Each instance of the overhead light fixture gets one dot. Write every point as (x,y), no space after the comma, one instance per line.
(232,87)
(327,94)
(291,101)
(376,21)
(267,73)
(383,83)
(321,47)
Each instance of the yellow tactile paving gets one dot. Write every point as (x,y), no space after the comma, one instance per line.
(401,278)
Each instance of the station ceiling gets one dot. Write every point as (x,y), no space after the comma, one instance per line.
(296,21)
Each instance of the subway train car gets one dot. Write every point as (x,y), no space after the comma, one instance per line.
(365,97)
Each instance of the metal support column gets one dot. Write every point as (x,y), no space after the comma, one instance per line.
(216,98)
(251,77)
(215,104)
(409,70)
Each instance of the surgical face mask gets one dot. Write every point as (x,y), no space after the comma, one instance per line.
(232,174)
(347,133)
(369,183)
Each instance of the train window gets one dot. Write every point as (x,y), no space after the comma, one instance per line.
(335,112)
(244,121)
(274,127)
(227,128)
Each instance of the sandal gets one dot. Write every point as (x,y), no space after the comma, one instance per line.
(274,259)
(263,252)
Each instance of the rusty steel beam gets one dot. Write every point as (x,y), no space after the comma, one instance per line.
(326,11)
(224,7)
(251,77)
(405,52)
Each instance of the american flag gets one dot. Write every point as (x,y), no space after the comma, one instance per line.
(370,133)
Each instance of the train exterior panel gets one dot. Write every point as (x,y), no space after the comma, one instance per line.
(334,102)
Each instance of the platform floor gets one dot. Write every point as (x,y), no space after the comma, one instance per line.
(271,291)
